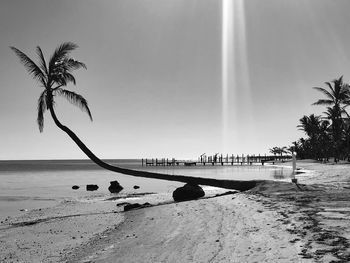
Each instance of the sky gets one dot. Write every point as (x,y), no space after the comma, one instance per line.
(154,78)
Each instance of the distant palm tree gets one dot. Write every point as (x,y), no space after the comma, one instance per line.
(310,125)
(274,150)
(283,150)
(57,73)
(316,128)
(278,150)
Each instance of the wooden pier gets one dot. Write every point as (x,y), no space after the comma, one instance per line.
(217,159)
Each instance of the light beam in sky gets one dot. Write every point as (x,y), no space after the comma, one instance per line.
(227,63)
(236,96)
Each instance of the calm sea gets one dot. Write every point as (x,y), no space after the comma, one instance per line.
(25,185)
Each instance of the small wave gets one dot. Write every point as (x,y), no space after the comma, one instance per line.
(13,198)
(24,198)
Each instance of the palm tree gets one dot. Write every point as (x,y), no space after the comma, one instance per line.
(317,130)
(335,114)
(310,125)
(274,150)
(337,98)
(283,150)
(55,75)
(278,150)
(295,148)
(338,95)
(346,130)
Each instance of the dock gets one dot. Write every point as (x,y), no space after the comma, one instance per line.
(217,159)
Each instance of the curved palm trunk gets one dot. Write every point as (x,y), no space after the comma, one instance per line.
(228,184)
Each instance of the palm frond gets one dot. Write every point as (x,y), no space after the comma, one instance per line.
(41,109)
(338,82)
(60,53)
(63,78)
(72,64)
(32,68)
(346,92)
(61,65)
(69,78)
(334,112)
(75,99)
(323,102)
(346,114)
(325,92)
(330,87)
(303,122)
(42,62)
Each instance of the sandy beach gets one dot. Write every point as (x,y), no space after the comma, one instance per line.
(274,222)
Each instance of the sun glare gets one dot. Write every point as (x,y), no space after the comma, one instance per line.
(236,96)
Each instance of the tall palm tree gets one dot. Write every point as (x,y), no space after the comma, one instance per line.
(56,74)
(337,98)
(337,95)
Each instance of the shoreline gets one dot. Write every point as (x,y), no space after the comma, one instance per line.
(275,221)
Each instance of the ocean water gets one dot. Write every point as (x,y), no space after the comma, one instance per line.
(26,185)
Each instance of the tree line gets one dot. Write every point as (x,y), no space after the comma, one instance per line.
(327,135)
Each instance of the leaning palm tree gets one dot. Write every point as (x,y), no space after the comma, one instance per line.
(56,74)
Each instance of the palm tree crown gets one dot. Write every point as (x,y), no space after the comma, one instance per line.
(310,125)
(338,95)
(337,99)
(54,75)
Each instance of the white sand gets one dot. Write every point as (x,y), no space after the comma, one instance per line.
(232,228)
(277,222)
